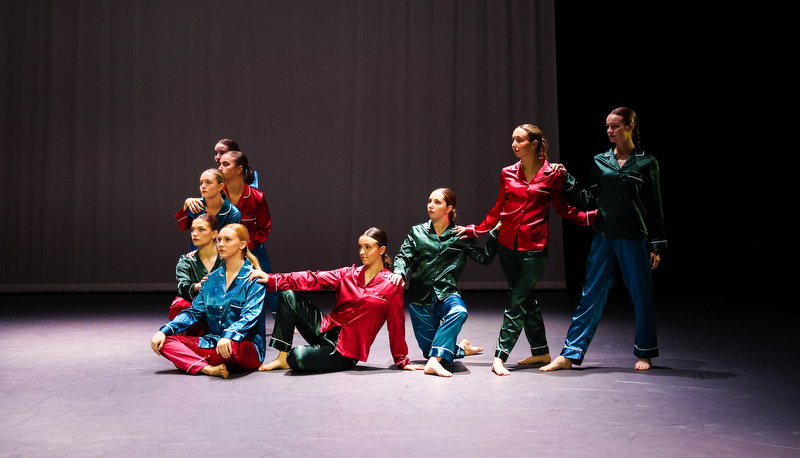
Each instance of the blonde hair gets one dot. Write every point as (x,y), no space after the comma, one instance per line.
(242,233)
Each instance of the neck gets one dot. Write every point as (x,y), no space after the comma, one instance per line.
(215,201)
(440,224)
(624,149)
(233,264)
(371,270)
(235,185)
(207,252)
(531,163)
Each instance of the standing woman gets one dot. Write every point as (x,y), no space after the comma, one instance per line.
(231,306)
(225,145)
(213,201)
(193,268)
(253,207)
(435,257)
(527,190)
(624,185)
(365,299)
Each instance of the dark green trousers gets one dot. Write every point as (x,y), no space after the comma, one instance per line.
(522,270)
(320,355)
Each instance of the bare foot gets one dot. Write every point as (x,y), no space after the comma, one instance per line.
(559,363)
(643,364)
(434,367)
(277,363)
(469,349)
(539,359)
(498,367)
(216,371)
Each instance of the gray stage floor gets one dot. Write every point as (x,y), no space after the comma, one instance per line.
(79,379)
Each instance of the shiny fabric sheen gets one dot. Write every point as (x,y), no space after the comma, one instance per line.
(524,208)
(627,199)
(435,263)
(235,313)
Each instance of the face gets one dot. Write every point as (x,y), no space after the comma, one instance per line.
(369,251)
(219,150)
(616,130)
(228,167)
(520,144)
(202,234)
(209,186)
(229,244)
(437,207)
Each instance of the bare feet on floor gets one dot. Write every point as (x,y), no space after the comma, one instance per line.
(434,367)
(498,367)
(538,359)
(469,349)
(216,371)
(559,363)
(643,364)
(277,363)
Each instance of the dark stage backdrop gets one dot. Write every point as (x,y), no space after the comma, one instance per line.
(351,112)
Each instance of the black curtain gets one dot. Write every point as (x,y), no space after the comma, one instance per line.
(350,111)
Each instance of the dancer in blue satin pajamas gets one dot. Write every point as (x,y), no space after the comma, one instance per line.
(434,256)
(624,186)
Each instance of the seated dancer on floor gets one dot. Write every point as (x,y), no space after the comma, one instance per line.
(193,268)
(231,306)
(213,201)
(436,256)
(365,300)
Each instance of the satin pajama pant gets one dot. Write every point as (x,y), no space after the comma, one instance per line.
(436,327)
(186,354)
(297,311)
(522,270)
(634,262)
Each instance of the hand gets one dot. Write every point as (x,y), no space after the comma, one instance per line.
(558,167)
(193,204)
(191,254)
(655,259)
(397,280)
(157,342)
(414,367)
(459,230)
(259,276)
(224,348)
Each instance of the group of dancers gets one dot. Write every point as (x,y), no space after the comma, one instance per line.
(217,323)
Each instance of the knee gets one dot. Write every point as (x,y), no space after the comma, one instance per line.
(458,314)
(287,299)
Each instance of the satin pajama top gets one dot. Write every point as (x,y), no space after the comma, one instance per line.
(436,262)
(235,313)
(627,199)
(228,214)
(524,208)
(255,215)
(191,270)
(360,309)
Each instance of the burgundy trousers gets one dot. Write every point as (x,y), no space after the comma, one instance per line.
(186,354)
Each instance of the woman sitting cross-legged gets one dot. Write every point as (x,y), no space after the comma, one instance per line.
(231,306)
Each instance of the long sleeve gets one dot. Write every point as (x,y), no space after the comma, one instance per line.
(251,310)
(305,280)
(395,324)
(405,256)
(184,273)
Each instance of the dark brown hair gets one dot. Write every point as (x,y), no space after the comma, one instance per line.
(534,133)
(628,118)
(383,240)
